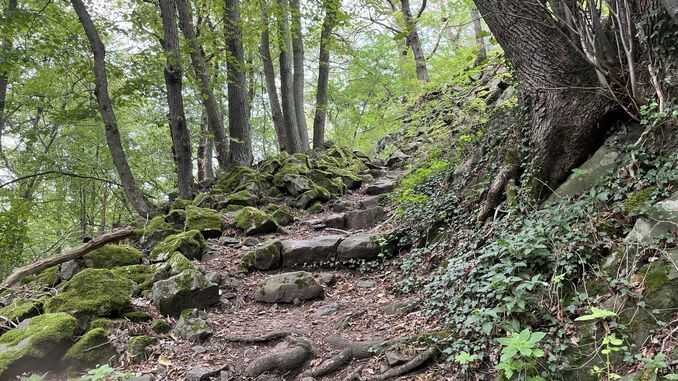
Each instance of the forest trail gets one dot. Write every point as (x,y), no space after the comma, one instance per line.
(358,305)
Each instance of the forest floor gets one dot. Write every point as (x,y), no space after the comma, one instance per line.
(359,305)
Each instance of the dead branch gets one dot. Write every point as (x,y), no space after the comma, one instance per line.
(79,252)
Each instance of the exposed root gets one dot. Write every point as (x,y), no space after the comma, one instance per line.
(497,187)
(409,366)
(285,358)
(272,336)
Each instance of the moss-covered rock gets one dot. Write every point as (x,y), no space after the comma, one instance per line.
(265,257)
(192,325)
(240,198)
(191,244)
(176,218)
(21,309)
(189,289)
(237,179)
(294,184)
(329,181)
(92,293)
(254,221)
(208,221)
(104,323)
(47,278)
(160,326)
(155,231)
(307,199)
(137,347)
(137,316)
(659,221)
(316,207)
(110,256)
(180,203)
(142,275)
(36,344)
(288,287)
(282,216)
(91,349)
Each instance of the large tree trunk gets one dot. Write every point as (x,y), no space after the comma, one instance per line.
(331,10)
(269,78)
(294,143)
(298,80)
(181,137)
(4,75)
(558,86)
(215,120)
(132,191)
(478,34)
(238,109)
(413,41)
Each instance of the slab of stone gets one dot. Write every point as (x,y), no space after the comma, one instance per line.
(298,253)
(401,307)
(661,220)
(370,202)
(358,247)
(366,283)
(201,373)
(288,288)
(364,219)
(189,289)
(380,187)
(192,326)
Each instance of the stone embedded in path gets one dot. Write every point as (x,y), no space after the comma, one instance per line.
(334,220)
(202,373)
(364,219)
(380,187)
(397,159)
(254,221)
(208,222)
(288,288)
(192,326)
(297,253)
(359,246)
(189,289)
(264,257)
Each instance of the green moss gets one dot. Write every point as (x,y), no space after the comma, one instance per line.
(180,203)
(102,323)
(137,346)
(191,244)
(34,340)
(157,223)
(283,216)
(92,293)
(176,217)
(46,279)
(266,257)
(204,220)
(92,349)
(307,199)
(656,276)
(638,201)
(160,326)
(236,179)
(112,256)
(240,198)
(316,207)
(142,275)
(179,263)
(137,316)
(21,309)
(249,218)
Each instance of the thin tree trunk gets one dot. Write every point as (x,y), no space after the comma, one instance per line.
(298,78)
(286,81)
(269,76)
(478,33)
(558,86)
(209,153)
(215,121)
(331,10)
(181,137)
(414,42)
(202,147)
(132,191)
(238,109)
(4,75)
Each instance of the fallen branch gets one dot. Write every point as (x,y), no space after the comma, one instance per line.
(79,252)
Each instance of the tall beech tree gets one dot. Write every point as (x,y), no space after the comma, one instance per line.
(298,77)
(181,137)
(215,121)
(269,78)
(413,40)
(134,194)
(286,78)
(238,107)
(330,21)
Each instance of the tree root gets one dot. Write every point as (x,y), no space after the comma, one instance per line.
(409,366)
(290,356)
(272,336)
(497,187)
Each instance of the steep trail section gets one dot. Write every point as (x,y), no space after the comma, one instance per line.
(351,320)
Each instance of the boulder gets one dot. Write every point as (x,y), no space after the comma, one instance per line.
(175,265)
(297,253)
(36,344)
(142,275)
(201,373)
(192,325)
(137,347)
(660,220)
(177,218)
(358,247)
(288,288)
(92,293)
(190,243)
(254,221)
(155,231)
(317,194)
(265,257)
(68,269)
(110,256)
(294,184)
(380,187)
(282,216)
(241,198)
(160,326)
(364,218)
(237,179)
(208,222)
(91,349)
(397,159)
(188,289)
(20,309)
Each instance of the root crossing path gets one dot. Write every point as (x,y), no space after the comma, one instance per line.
(316,303)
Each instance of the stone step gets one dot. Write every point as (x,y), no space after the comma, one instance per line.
(354,220)
(380,187)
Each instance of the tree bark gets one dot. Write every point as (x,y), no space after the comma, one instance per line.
(286,80)
(478,34)
(269,78)
(7,45)
(202,148)
(298,78)
(215,122)
(331,10)
(414,42)
(238,108)
(132,191)
(181,137)
(558,86)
